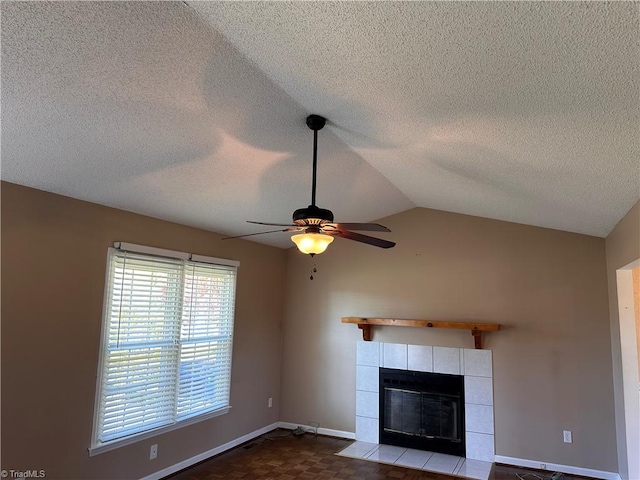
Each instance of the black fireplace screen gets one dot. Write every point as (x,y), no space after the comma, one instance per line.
(420,413)
(422,410)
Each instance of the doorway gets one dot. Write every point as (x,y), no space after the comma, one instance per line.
(628,283)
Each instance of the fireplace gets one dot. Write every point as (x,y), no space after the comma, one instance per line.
(422,410)
(474,366)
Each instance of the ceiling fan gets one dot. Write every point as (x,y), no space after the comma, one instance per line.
(316,224)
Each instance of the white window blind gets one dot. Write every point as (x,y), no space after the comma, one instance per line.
(166,346)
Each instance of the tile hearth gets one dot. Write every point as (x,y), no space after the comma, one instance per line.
(418,459)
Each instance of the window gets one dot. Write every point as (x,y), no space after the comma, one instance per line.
(166,345)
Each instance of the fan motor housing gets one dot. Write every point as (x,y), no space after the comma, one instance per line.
(312,215)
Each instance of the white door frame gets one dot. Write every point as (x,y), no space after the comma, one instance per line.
(629,354)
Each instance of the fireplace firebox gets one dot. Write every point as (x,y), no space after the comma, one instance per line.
(422,410)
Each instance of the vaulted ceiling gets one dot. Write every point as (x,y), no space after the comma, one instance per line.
(195,112)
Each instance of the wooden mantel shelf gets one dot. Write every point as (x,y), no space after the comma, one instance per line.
(365,324)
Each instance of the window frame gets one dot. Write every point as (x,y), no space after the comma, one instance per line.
(97,447)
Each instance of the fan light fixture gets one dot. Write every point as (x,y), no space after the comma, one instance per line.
(312,243)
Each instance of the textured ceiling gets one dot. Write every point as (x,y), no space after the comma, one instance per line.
(519,111)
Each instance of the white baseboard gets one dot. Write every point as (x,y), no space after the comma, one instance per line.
(555,467)
(209,453)
(322,431)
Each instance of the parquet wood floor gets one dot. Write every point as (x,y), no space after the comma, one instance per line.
(296,458)
(279,455)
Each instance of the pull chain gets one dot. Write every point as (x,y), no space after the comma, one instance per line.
(315,270)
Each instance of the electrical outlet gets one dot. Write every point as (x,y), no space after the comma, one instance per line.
(270,402)
(568,436)
(153,453)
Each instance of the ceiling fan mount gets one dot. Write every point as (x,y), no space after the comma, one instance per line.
(316,224)
(316,122)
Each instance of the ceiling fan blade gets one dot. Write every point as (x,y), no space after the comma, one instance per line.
(365,227)
(273,224)
(358,237)
(261,233)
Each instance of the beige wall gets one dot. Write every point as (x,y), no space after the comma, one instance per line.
(53,266)
(622,247)
(552,360)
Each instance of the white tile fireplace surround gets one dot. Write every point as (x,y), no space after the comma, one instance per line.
(475,366)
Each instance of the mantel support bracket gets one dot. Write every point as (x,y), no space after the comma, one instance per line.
(366,331)
(477,338)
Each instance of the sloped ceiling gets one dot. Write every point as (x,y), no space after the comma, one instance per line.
(518,111)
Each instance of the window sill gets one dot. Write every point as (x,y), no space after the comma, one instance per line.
(115,444)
